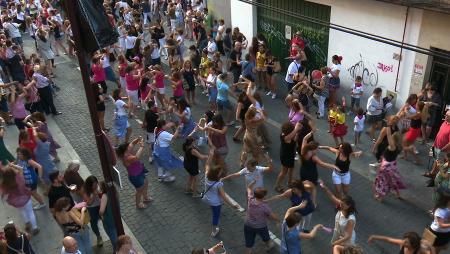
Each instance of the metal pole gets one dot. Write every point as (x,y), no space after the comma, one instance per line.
(71,7)
(401,49)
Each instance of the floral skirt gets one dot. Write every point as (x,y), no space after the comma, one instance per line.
(388,178)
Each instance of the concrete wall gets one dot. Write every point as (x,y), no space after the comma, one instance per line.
(220,9)
(243,15)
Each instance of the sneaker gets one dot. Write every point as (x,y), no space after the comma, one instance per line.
(274,96)
(150,159)
(196,195)
(99,241)
(269,93)
(374,164)
(269,245)
(160,178)
(169,179)
(35,231)
(39,206)
(215,232)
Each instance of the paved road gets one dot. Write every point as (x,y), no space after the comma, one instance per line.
(175,222)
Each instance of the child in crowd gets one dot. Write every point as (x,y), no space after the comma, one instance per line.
(356,93)
(331,117)
(339,129)
(191,157)
(359,125)
(149,124)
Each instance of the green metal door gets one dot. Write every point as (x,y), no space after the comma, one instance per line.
(272,25)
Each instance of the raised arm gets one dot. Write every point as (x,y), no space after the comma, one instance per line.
(387,239)
(330,195)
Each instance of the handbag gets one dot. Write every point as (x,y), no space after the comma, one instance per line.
(429,236)
(77,212)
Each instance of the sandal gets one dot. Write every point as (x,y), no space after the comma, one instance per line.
(148,200)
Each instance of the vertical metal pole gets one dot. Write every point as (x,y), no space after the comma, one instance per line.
(71,7)
(401,49)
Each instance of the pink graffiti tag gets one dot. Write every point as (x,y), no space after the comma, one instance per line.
(385,68)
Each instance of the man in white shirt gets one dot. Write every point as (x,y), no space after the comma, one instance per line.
(212,47)
(293,69)
(375,111)
(253,172)
(13,31)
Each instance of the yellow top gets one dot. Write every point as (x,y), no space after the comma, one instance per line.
(332,114)
(204,65)
(260,59)
(339,118)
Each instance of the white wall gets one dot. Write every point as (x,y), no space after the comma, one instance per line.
(220,9)
(243,15)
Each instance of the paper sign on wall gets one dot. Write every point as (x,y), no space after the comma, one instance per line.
(288,32)
(418,69)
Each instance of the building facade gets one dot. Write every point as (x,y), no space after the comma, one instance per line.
(396,71)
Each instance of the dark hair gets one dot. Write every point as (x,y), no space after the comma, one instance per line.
(411,97)
(218,122)
(209,116)
(228,30)
(213,173)
(10,233)
(182,104)
(414,239)
(260,192)
(347,149)
(377,90)
(287,128)
(61,203)
(187,143)
(116,94)
(313,145)
(89,184)
(351,206)
(53,175)
(160,123)
(442,202)
(73,177)
(25,152)
(122,240)
(120,150)
(293,219)
(337,58)
(360,111)
(298,184)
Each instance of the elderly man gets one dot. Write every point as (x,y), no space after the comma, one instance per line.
(70,246)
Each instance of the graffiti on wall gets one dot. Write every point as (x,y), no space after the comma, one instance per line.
(316,45)
(271,32)
(385,68)
(367,71)
(315,49)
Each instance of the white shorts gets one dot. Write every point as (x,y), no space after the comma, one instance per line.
(133,95)
(341,178)
(162,90)
(150,137)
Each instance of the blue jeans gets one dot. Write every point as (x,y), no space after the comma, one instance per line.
(110,229)
(215,214)
(83,240)
(94,213)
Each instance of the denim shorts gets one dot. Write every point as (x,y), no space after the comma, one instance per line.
(138,180)
(224,104)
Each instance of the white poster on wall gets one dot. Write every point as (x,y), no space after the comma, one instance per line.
(288,32)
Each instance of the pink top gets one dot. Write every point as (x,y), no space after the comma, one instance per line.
(159,80)
(178,91)
(295,117)
(132,83)
(19,197)
(122,68)
(135,168)
(99,73)
(18,109)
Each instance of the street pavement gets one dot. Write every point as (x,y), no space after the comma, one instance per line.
(175,222)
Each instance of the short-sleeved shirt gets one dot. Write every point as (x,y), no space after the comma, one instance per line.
(292,70)
(99,73)
(357,90)
(341,223)
(222,88)
(212,196)
(374,106)
(164,139)
(444,214)
(443,136)
(340,118)
(233,56)
(359,123)
(250,176)
(257,213)
(120,109)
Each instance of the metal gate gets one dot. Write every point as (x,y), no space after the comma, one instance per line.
(272,25)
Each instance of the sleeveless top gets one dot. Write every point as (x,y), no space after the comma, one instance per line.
(190,161)
(188,75)
(389,155)
(287,150)
(308,170)
(344,166)
(296,200)
(246,106)
(402,251)
(384,143)
(416,123)
(29,173)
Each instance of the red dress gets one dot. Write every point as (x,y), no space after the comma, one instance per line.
(31,144)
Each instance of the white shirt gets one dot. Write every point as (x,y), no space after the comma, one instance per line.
(250,176)
(120,109)
(212,47)
(341,224)
(336,67)
(164,139)
(357,91)
(21,15)
(443,214)
(359,123)
(155,53)
(374,107)
(63,251)
(292,70)
(130,41)
(13,29)
(106,62)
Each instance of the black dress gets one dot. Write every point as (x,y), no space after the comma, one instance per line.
(308,171)
(384,144)
(287,153)
(20,245)
(191,162)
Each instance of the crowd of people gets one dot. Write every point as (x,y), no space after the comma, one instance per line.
(204,57)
